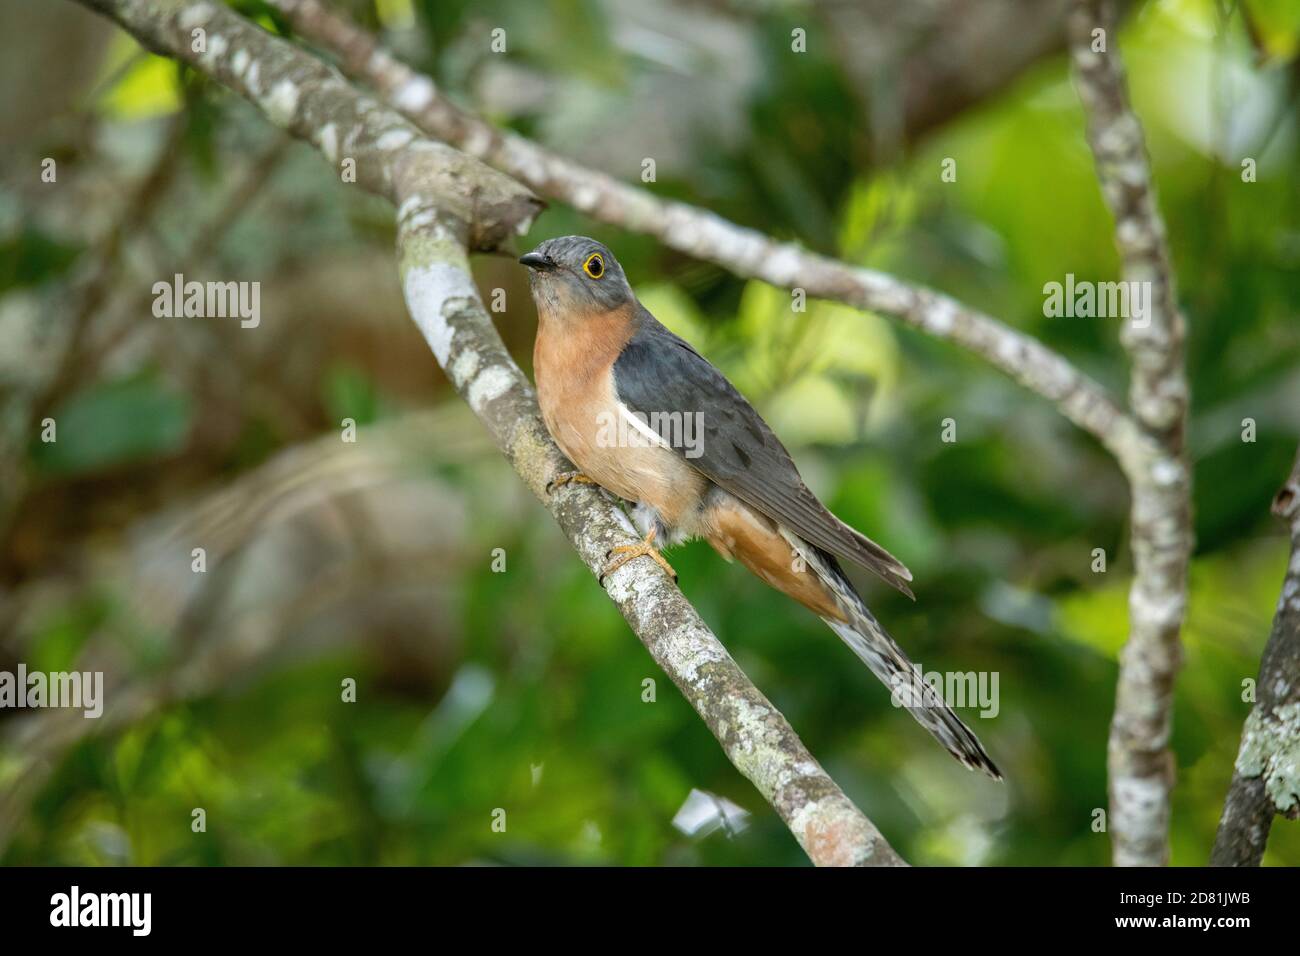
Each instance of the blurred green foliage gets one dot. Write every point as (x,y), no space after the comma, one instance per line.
(114,424)
(540,711)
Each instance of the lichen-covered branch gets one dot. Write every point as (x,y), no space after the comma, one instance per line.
(706,236)
(447,203)
(1139,760)
(1266,776)
(311,101)
(1158,392)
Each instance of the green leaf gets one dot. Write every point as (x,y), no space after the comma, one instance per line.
(1276,26)
(812,410)
(146,90)
(29,257)
(114,424)
(349,392)
(675,309)
(876,210)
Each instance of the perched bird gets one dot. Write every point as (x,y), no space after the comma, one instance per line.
(620,394)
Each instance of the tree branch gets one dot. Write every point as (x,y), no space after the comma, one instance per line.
(706,236)
(1140,763)
(1266,776)
(311,101)
(448,202)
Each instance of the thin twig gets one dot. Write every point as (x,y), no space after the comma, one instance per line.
(1140,763)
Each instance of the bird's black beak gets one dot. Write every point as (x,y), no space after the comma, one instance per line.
(535,260)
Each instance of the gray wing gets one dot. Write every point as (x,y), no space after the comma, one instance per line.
(657,372)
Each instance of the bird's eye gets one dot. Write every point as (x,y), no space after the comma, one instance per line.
(594,266)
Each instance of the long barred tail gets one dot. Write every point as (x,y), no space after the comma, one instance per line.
(866,638)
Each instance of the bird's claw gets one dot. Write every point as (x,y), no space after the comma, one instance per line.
(567,478)
(628,552)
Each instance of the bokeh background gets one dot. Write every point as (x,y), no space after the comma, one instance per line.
(523,689)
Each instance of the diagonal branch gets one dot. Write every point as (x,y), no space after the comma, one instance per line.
(1266,776)
(448,202)
(706,236)
(1140,763)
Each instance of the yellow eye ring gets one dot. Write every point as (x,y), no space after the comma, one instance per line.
(594,266)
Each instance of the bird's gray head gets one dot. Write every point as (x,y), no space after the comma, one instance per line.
(576,274)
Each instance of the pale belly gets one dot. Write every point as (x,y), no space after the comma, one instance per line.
(625,461)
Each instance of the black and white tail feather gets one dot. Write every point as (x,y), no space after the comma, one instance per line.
(866,638)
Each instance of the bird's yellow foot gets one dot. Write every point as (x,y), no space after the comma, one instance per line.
(626,552)
(568,477)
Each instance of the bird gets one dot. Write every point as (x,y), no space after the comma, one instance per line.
(645,416)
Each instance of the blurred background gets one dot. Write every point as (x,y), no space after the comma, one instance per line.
(521,688)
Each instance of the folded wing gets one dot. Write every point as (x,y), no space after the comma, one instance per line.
(660,376)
